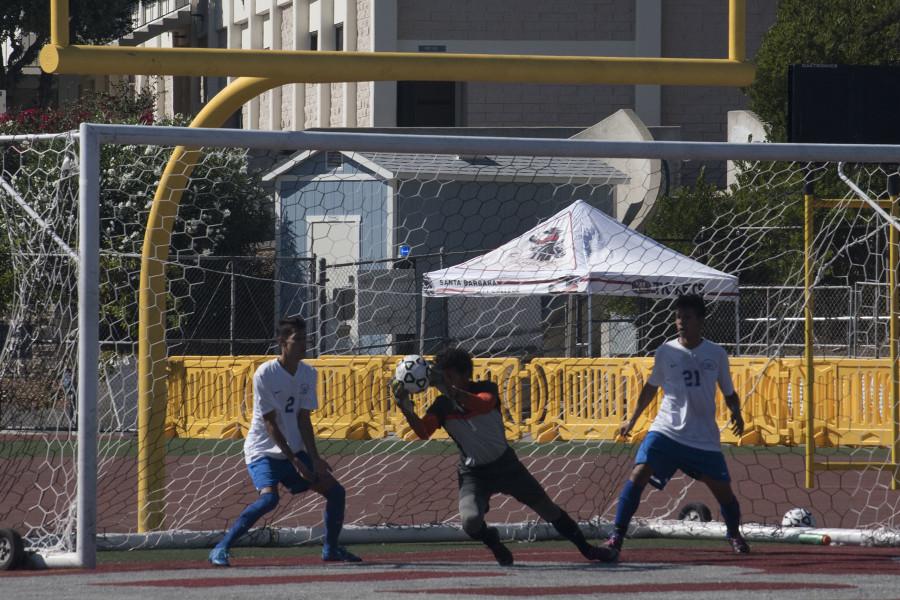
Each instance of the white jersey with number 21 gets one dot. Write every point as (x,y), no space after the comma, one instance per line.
(688,377)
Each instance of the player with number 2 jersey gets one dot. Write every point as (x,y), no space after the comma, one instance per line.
(280,448)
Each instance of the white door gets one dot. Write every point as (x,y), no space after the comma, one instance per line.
(336,239)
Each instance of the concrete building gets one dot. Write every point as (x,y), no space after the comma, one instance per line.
(688,28)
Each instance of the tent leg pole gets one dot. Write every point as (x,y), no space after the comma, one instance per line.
(590,325)
(422,324)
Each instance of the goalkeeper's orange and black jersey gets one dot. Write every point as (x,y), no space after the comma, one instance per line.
(477,428)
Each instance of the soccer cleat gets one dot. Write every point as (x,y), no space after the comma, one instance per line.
(615,542)
(339,554)
(502,554)
(219,557)
(605,553)
(491,539)
(739,544)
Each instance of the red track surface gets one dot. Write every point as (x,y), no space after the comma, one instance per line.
(207,492)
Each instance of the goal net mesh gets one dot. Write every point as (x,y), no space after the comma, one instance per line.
(392,253)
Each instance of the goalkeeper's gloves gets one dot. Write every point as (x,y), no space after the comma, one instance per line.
(401,395)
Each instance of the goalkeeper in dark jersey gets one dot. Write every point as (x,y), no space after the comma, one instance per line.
(470,412)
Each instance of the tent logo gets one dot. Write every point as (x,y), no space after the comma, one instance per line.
(591,238)
(547,245)
(641,286)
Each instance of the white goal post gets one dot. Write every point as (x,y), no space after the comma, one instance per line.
(789,161)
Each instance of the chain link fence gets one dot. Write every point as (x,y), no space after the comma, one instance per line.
(229,305)
(376,308)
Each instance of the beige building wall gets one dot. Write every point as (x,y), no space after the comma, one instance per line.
(534,20)
(697,29)
(687,28)
(508,105)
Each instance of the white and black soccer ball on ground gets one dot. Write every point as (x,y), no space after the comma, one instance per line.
(412,371)
(798,517)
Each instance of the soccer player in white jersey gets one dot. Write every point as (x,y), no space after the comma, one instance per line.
(280,447)
(684,435)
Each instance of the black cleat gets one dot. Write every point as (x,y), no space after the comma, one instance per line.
(605,553)
(615,542)
(502,554)
(739,544)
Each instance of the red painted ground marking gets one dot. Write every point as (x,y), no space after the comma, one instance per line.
(780,559)
(627,588)
(210,582)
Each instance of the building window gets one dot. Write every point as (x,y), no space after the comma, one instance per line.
(427,104)
(334,160)
(313,40)
(339,37)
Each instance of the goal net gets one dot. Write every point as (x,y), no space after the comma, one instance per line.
(554,262)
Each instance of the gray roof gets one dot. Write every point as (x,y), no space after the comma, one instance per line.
(498,168)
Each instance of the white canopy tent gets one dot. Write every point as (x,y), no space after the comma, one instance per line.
(581,250)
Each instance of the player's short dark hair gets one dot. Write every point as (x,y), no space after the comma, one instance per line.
(457,359)
(295,321)
(692,302)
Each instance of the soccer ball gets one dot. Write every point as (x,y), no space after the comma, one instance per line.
(798,517)
(412,371)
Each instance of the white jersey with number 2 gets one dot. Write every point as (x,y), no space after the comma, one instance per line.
(688,377)
(274,389)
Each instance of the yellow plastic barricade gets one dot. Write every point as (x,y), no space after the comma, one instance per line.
(349,390)
(759,384)
(210,396)
(588,399)
(852,402)
(570,399)
(584,398)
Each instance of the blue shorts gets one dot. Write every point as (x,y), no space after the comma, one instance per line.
(269,472)
(666,456)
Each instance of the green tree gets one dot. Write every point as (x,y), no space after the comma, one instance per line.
(25,27)
(767,195)
(751,230)
(861,32)
(224,210)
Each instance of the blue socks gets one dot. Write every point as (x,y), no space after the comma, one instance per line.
(335,500)
(265,503)
(731,514)
(334,514)
(629,500)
